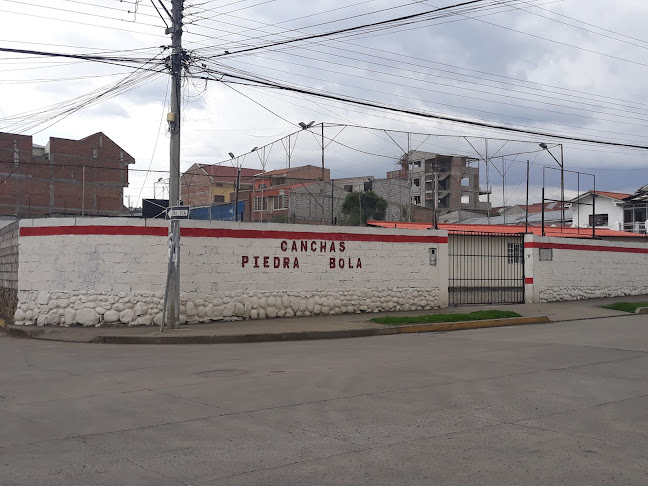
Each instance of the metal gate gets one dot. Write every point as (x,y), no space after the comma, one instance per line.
(486,268)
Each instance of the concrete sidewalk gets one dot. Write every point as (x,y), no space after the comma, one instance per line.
(320,327)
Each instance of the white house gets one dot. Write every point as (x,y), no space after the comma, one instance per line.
(606,213)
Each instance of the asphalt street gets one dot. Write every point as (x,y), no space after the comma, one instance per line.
(563,403)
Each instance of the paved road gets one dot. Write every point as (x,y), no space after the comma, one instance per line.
(562,403)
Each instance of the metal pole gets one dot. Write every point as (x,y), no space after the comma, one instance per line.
(436,200)
(594,210)
(577,204)
(488,191)
(543,201)
(526,223)
(562,189)
(332,188)
(503,188)
(83,191)
(409,176)
(238,183)
(360,205)
(322,186)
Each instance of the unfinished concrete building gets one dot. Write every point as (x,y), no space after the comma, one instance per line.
(458,181)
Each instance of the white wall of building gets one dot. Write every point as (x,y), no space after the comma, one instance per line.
(604,205)
(561,269)
(113,271)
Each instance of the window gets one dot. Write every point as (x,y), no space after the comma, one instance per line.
(465,199)
(258,203)
(348,188)
(417,164)
(598,219)
(95,152)
(416,182)
(263,186)
(465,182)
(417,200)
(514,253)
(219,199)
(279,181)
(278,202)
(285,202)
(368,185)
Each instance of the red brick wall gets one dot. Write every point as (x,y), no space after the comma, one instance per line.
(54,184)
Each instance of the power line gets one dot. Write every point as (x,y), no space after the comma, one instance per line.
(355,28)
(423,114)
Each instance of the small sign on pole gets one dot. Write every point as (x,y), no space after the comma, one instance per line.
(178,212)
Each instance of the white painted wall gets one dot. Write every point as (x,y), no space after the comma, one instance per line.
(584,269)
(604,205)
(92,279)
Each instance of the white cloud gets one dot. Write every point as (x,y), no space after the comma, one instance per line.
(460,68)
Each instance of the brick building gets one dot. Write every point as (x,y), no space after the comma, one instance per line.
(84,176)
(204,185)
(269,198)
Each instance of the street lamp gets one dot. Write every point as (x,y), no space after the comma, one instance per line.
(160,180)
(306,126)
(562,180)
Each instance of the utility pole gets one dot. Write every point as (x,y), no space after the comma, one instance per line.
(171,312)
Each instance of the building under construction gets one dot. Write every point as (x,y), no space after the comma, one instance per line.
(452,179)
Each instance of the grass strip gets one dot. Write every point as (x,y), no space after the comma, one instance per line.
(472,316)
(626,306)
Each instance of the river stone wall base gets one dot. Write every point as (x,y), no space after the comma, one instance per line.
(145,308)
(558,294)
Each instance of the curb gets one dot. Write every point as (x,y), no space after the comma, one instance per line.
(242,338)
(169,338)
(466,325)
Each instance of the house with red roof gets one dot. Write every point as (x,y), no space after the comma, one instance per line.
(603,209)
(269,198)
(206,184)
(505,229)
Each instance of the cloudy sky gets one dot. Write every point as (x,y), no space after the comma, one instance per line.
(572,68)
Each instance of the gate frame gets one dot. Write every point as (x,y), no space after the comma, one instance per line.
(458,295)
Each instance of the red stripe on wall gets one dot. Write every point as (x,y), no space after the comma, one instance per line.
(528,281)
(304,235)
(224,233)
(94,230)
(567,246)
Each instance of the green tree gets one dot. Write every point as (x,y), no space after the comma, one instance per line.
(358,207)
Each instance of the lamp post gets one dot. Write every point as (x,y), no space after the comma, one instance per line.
(238,180)
(562,180)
